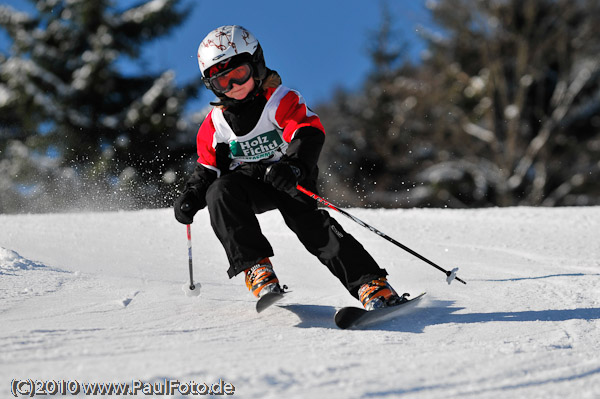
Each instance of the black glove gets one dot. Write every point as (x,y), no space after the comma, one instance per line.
(255,170)
(283,175)
(189,203)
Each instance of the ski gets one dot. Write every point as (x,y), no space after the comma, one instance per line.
(268,299)
(357,317)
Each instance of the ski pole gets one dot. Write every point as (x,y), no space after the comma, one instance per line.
(450,275)
(191,289)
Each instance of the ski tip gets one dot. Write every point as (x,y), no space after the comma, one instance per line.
(345,317)
(351,317)
(269,299)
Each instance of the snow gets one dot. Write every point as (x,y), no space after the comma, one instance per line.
(144,11)
(96,297)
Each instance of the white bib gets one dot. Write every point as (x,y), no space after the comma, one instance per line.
(263,143)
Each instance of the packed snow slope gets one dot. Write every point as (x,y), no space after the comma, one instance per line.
(97,297)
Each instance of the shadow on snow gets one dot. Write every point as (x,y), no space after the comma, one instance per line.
(542,277)
(436,313)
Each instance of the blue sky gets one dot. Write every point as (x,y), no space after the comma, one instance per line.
(315,45)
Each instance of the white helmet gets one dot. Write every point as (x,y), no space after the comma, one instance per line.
(227,42)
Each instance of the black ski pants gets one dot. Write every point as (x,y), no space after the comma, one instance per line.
(233,201)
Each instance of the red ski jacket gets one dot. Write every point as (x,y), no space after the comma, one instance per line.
(275,125)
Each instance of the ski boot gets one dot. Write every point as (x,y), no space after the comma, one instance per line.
(261,279)
(378,294)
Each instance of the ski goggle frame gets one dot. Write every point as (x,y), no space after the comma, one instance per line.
(223,81)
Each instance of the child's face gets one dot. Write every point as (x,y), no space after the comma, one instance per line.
(239,92)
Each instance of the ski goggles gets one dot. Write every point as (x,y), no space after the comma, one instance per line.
(222,82)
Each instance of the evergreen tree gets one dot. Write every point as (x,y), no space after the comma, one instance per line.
(521,84)
(503,110)
(88,127)
(365,141)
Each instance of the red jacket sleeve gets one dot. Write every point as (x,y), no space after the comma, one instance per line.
(293,114)
(205,143)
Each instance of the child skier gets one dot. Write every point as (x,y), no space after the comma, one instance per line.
(258,142)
